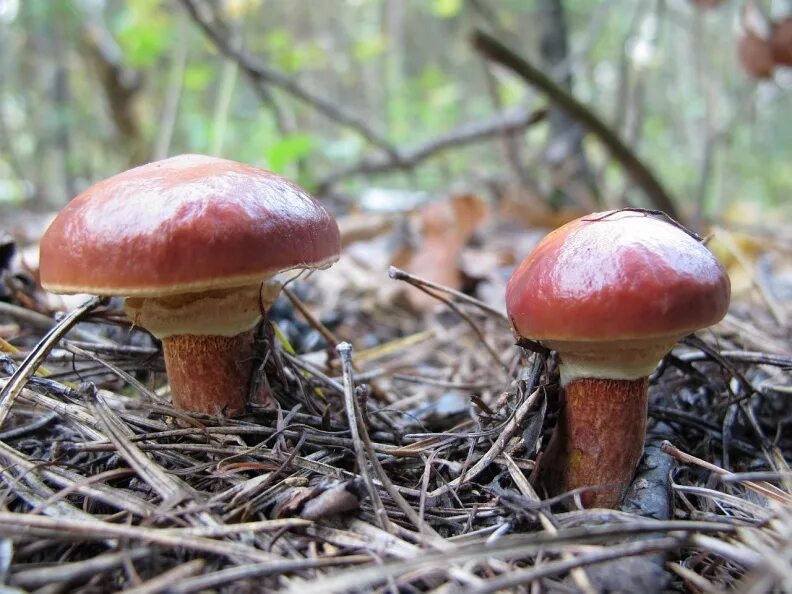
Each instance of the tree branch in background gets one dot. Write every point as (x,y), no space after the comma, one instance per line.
(510,122)
(259,73)
(170,107)
(120,84)
(564,152)
(511,145)
(640,173)
(62,101)
(283,118)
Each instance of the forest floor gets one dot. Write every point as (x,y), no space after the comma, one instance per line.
(402,464)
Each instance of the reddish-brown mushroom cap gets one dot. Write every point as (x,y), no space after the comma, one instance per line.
(616,276)
(186,224)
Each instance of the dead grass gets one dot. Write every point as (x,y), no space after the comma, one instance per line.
(398,466)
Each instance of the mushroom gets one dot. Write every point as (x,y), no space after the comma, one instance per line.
(193,243)
(611,292)
(756,55)
(754,48)
(781,41)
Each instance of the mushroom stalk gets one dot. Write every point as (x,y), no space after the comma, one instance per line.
(210,374)
(598,441)
(208,340)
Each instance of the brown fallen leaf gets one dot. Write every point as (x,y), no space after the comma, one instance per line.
(532,211)
(320,501)
(363,226)
(445,229)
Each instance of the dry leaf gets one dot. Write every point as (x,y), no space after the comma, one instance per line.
(531,212)
(445,229)
(363,226)
(320,501)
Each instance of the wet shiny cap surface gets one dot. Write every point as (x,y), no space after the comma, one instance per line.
(616,275)
(185,224)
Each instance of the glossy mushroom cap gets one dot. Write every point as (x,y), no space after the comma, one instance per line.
(184,225)
(613,291)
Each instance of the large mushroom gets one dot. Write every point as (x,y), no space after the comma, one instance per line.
(612,293)
(193,243)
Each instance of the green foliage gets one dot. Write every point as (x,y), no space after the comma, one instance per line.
(144,31)
(291,55)
(407,71)
(446,9)
(287,150)
(198,76)
(369,47)
(197,132)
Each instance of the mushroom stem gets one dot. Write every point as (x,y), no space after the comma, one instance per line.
(598,441)
(210,374)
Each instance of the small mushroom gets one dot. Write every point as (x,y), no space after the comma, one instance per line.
(781,41)
(193,243)
(754,48)
(612,293)
(756,55)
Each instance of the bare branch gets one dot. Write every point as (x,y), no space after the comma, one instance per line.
(259,73)
(640,173)
(509,122)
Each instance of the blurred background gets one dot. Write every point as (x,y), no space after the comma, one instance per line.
(385,105)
